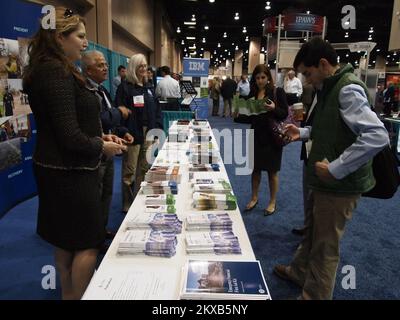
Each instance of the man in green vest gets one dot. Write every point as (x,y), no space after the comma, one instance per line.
(345,135)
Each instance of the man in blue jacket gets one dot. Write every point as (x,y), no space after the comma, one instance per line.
(95,68)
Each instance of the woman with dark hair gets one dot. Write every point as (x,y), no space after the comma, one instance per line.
(68,151)
(267,155)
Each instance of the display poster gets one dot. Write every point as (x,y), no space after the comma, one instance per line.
(303,22)
(196,71)
(19,22)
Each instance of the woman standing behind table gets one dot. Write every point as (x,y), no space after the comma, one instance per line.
(267,155)
(68,151)
(138,96)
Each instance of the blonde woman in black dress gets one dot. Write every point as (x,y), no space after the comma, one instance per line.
(267,155)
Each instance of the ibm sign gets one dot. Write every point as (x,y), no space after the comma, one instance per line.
(196,67)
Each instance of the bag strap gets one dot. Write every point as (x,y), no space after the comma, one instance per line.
(275,97)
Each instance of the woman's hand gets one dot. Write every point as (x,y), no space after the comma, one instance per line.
(113,138)
(270,106)
(111,149)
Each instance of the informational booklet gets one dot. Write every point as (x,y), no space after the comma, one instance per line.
(148,242)
(160,199)
(209,222)
(163,173)
(204,157)
(208,201)
(204,167)
(160,209)
(235,280)
(207,181)
(155,221)
(218,242)
(159,187)
(223,187)
(248,107)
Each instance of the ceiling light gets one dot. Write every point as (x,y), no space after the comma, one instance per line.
(190,38)
(237,16)
(268,6)
(183,42)
(244,30)
(225,35)
(189,23)
(377,50)
(204,40)
(308,12)
(193,17)
(219,45)
(206,27)
(236,48)
(212,1)
(178,30)
(371,30)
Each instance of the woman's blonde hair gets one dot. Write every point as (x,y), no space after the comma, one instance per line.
(135,61)
(45,47)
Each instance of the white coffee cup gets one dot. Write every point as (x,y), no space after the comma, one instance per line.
(298,110)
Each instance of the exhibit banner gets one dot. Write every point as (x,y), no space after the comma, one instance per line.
(303,22)
(196,71)
(270,26)
(20,20)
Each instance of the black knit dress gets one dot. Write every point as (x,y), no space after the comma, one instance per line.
(267,155)
(66,159)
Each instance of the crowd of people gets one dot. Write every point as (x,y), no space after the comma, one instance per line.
(81,127)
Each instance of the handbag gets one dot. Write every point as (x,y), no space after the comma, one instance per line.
(386,173)
(276,128)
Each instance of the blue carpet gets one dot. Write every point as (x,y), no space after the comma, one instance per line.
(371,242)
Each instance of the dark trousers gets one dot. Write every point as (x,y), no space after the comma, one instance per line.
(106,173)
(215,107)
(292,98)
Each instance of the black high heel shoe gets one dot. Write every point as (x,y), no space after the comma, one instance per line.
(251,208)
(269,212)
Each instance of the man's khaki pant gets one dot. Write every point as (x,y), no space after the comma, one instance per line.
(227,108)
(134,167)
(316,260)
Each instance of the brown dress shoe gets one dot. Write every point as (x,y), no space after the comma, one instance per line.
(280,271)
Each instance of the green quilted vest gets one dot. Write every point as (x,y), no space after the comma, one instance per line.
(331,136)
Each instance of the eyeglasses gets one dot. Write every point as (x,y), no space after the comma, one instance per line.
(143,66)
(102,65)
(68,13)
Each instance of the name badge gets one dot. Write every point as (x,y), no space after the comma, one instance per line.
(138,101)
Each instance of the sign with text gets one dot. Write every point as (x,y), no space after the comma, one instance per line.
(303,22)
(19,19)
(362,46)
(196,67)
(196,71)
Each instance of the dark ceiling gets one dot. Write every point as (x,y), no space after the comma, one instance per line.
(219,16)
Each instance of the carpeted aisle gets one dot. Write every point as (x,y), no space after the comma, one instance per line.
(371,243)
